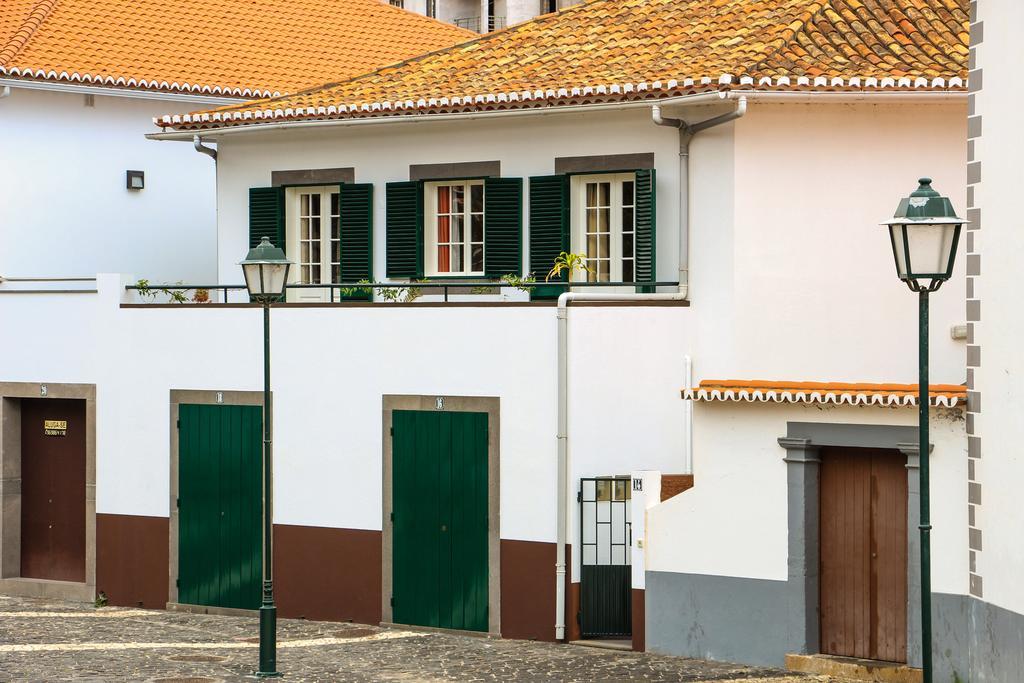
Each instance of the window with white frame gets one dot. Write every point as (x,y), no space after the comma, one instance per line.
(604,225)
(454,227)
(313,224)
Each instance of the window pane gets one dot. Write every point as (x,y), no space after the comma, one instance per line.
(604,220)
(627,219)
(444,199)
(335,251)
(627,245)
(591,194)
(335,273)
(443,259)
(592,246)
(303,229)
(335,203)
(458,198)
(478,257)
(304,204)
(314,250)
(314,204)
(305,275)
(314,227)
(591,220)
(627,192)
(606,194)
(476,194)
(304,258)
(604,490)
(477,234)
(457,235)
(456,259)
(627,271)
(604,241)
(314,278)
(603,270)
(443,229)
(335,228)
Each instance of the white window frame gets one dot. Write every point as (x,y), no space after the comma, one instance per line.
(293,239)
(430,245)
(578,222)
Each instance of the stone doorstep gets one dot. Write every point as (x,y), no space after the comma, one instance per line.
(853,668)
(607,644)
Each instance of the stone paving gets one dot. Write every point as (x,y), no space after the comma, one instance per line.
(43,640)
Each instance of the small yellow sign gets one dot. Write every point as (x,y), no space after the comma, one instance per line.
(55,427)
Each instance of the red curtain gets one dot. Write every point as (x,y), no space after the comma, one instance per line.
(444,207)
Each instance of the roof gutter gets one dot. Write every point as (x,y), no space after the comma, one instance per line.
(930,97)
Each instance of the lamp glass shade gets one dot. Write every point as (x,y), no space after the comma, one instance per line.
(924,233)
(266,271)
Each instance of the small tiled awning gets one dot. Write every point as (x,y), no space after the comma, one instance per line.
(837,393)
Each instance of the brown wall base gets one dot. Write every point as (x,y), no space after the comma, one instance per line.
(327,574)
(527,590)
(131,560)
(638,620)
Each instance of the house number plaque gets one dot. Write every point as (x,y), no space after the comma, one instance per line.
(55,427)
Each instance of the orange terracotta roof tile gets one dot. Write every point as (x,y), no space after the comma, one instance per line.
(837,393)
(614,50)
(223,47)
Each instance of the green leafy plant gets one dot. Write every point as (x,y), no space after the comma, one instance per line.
(143,289)
(352,291)
(101,600)
(148,291)
(524,284)
(570,263)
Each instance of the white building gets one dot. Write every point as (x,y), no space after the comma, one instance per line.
(81,81)
(464,422)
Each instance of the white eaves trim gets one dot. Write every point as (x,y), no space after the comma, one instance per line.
(524,96)
(122,82)
(884,399)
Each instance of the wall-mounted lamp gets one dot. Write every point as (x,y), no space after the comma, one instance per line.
(135,180)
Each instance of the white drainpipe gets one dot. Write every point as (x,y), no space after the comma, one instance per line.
(686,133)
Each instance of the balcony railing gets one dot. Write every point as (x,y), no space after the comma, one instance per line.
(385,292)
(473,23)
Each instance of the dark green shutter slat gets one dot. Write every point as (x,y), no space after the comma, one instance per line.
(404,249)
(357,234)
(266,215)
(503,226)
(549,228)
(646,229)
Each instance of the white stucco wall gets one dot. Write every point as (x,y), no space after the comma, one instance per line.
(330,368)
(1000,469)
(734,519)
(64,208)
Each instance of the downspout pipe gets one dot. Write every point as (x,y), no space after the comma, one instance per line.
(686,133)
(5,91)
(197,142)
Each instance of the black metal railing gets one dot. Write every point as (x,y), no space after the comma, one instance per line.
(340,290)
(473,23)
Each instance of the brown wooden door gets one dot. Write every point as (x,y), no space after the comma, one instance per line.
(864,553)
(53,489)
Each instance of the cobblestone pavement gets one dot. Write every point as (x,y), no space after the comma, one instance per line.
(44,640)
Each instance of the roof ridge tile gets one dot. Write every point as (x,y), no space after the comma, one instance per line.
(40,11)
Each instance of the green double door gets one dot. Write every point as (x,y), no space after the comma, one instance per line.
(219,505)
(439,494)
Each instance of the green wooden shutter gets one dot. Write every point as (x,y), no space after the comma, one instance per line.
(549,228)
(646,228)
(266,215)
(356,234)
(503,226)
(404,249)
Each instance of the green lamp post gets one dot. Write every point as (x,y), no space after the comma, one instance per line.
(266,274)
(924,233)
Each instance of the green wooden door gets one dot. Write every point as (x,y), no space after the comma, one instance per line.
(219,505)
(439,492)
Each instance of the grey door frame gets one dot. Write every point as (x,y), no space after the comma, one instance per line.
(466,404)
(199,397)
(11,581)
(803,443)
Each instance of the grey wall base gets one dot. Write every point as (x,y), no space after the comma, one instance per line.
(749,621)
(719,617)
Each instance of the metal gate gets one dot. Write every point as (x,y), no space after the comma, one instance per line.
(605,539)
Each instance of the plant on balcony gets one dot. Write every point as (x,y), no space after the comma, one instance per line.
(569,263)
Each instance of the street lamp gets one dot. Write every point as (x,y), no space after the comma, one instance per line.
(266,273)
(924,233)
